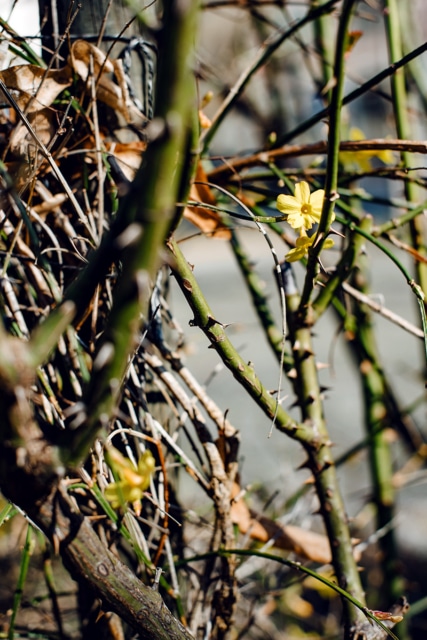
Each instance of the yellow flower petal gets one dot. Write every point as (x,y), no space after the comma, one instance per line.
(356,134)
(120,493)
(117,460)
(302,192)
(316,201)
(303,243)
(294,255)
(304,209)
(386,156)
(132,480)
(146,466)
(300,220)
(288,204)
(363,159)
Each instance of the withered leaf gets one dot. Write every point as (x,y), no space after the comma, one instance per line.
(83,56)
(22,142)
(205,219)
(306,544)
(33,87)
(128,155)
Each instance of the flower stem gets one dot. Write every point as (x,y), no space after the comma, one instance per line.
(331,179)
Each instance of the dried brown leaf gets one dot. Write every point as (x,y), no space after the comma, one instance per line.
(353,39)
(128,155)
(387,615)
(83,56)
(205,219)
(44,126)
(33,87)
(307,544)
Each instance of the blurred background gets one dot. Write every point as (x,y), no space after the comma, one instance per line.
(279,97)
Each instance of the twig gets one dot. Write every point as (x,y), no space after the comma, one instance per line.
(234,167)
(46,153)
(98,150)
(353,95)
(383,311)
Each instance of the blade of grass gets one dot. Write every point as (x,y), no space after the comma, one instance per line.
(23,571)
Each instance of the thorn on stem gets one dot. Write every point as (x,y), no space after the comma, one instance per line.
(156,582)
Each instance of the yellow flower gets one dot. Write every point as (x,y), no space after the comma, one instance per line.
(303,244)
(304,208)
(363,159)
(132,480)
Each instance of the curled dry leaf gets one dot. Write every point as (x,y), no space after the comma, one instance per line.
(80,54)
(35,89)
(386,615)
(83,55)
(128,155)
(306,544)
(205,219)
(22,142)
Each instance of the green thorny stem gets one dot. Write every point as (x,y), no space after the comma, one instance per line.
(320,461)
(400,106)
(323,41)
(311,433)
(360,332)
(241,370)
(331,180)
